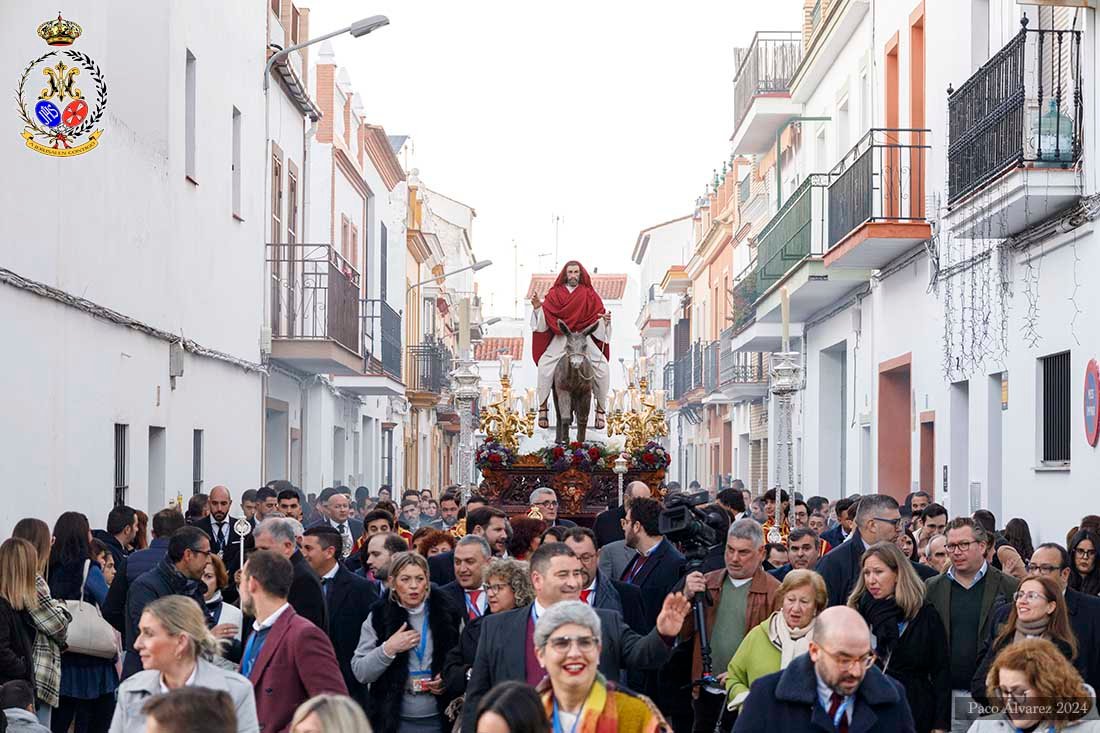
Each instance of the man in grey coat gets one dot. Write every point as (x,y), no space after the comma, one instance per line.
(557,575)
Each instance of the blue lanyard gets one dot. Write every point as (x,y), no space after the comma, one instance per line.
(556,720)
(423,646)
(844,707)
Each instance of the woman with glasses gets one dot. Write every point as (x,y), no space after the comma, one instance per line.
(910,641)
(1037,690)
(1039,611)
(401,651)
(575,696)
(507,586)
(1083,573)
(778,639)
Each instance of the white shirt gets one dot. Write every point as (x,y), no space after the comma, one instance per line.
(331,573)
(270,620)
(539,610)
(738,582)
(190,680)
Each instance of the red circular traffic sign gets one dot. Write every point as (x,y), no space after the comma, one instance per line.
(1092,402)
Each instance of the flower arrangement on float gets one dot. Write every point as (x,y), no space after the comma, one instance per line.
(493,456)
(652,457)
(584,456)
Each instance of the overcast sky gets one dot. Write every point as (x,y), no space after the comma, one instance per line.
(608,114)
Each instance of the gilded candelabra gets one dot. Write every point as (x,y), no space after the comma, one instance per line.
(502,423)
(637,415)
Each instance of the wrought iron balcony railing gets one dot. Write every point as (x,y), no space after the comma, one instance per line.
(710,366)
(668,383)
(429,367)
(682,368)
(381,338)
(794,233)
(1024,105)
(881,179)
(314,294)
(764,68)
(697,365)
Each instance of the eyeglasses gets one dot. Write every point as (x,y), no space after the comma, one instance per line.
(562,644)
(496,588)
(847,662)
(586,557)
(1043,569)
(548,503)
(1081,552)
(200,552)
(1029,595)
(1008,693)
(893,522)
(959,546)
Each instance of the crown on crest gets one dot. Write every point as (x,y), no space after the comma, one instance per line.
(59,32)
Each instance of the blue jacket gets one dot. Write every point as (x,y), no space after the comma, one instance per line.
(162,580)
(834,536)
(787,701)
(142,561)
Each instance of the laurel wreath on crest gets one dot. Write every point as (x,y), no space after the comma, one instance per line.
(94,115)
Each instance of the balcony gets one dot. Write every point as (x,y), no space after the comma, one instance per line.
(314,309)
(655,318)
(1016,128)
(831,32)
(761,92)
(429,368)
(710,367)
(876,199)
(381,366)
(740,378)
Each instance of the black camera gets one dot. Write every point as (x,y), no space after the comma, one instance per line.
(694,529)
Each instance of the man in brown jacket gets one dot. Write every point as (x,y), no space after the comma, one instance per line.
(741,597)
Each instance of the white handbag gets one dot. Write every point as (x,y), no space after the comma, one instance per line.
(89,633)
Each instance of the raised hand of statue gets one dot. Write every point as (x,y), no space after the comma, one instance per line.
(606,316)
(535,302)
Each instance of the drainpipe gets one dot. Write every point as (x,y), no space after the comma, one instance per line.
(779,154)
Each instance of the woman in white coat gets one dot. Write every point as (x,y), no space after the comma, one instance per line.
(175,646)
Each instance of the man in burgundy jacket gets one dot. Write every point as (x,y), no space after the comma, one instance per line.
(287,658)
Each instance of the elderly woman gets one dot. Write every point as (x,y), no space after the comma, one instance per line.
(909,638)
(175,647)
(507,586)
(1039,611)
(770,646)
(575,695)
(1035,671)
(401,651)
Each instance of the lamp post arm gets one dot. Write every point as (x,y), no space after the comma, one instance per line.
(440,277)
(290,49)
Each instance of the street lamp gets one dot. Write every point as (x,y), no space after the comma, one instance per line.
(479,265)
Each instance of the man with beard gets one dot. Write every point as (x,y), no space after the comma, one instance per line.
(835,687)
(571,302)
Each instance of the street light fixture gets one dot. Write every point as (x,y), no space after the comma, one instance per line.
(479,265)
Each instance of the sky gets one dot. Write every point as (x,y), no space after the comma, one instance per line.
(579,123)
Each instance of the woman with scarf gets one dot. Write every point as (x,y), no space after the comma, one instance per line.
(1084,575)
(1039,611)
(226,617)
(576,697)
(779,638)
(402,650)
(910,642)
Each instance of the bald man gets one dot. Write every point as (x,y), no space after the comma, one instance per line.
(833,687)
(609,523)
(218,525)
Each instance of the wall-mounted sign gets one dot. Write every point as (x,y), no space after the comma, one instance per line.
(1092,402)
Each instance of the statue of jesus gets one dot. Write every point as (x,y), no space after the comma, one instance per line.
(574,301)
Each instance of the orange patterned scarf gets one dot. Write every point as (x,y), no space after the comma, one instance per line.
(600,712)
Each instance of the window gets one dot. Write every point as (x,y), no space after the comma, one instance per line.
(345,235)
(1056,408)
(382,267)
(189,119)
(122,461)
(236,163)
(292,206)
(295,22)
(276,197)
(196,462)
(275,7)
(387,456)
(353,241)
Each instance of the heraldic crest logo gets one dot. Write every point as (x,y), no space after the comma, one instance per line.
(62,121)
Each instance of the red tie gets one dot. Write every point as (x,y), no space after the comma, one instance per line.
(635,568)
(474,609)
(834,705)
(585,595)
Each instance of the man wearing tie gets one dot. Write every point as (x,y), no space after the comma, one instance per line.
(467,591)
(348,599)
(337,510)
(218,525)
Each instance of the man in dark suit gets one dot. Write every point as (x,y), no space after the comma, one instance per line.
(336,507)
(546,501)
(608,526)
(165,522)
(817,689)
(658,565)
(467,592)
(486,521)
(877,520)
(278,535)
(287,659)
(603,592)
(845,522)
(218,525)
(557,575)
(348,599)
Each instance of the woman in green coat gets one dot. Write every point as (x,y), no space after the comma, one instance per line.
(770,646)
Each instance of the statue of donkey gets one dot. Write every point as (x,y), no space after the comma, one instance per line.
(573,380)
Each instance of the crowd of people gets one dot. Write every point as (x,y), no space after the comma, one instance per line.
(353,611)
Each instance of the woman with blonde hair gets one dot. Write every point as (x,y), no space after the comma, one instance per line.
(778,639)
(18,597)
(329,714)
(1037,688)
(175,648)
(50,620)
(909,639)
